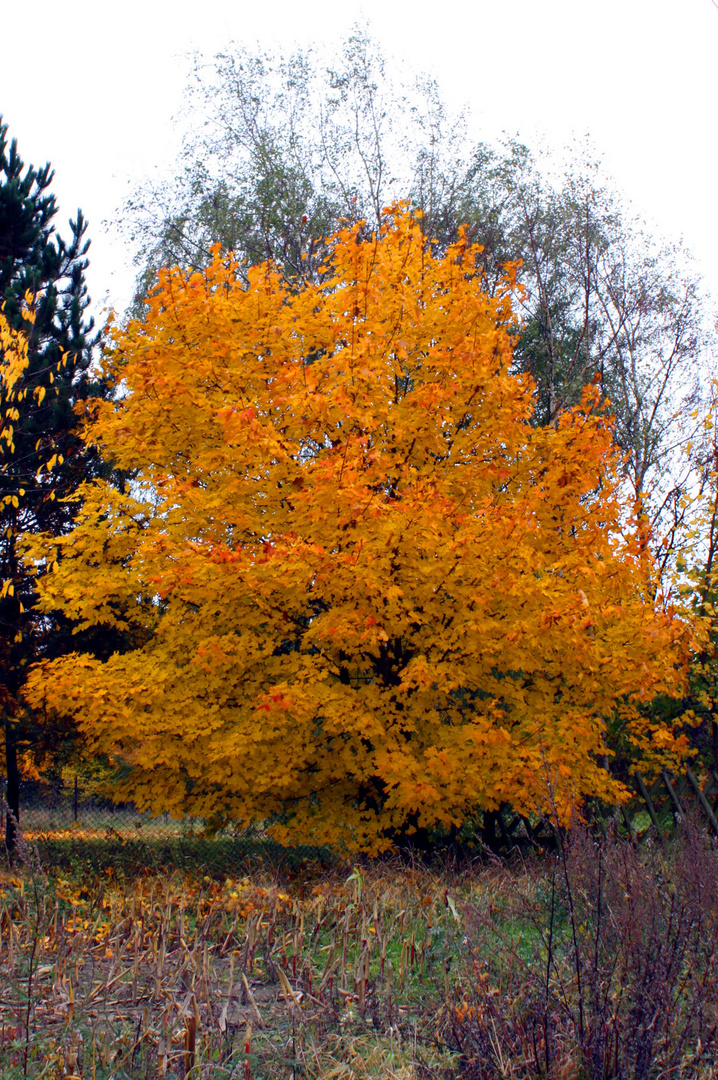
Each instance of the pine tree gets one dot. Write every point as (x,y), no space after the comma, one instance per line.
(44,461)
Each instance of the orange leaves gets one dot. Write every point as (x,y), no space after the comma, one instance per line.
(362,584)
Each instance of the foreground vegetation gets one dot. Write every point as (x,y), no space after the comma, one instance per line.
(595,960)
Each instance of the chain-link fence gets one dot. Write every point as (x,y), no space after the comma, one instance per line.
(59,808)
(71,825)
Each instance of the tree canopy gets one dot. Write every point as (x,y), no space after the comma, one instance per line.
(366,592)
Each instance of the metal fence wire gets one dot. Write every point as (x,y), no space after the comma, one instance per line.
(68,823)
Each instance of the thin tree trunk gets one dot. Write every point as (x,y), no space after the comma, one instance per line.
(12,793)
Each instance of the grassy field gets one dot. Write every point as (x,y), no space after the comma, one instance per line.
(598,960)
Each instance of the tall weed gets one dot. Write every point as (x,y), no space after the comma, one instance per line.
(601,964)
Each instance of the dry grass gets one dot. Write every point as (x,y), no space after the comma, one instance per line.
(321,975)
(546,968)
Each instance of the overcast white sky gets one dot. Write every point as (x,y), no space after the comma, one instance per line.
(93,87)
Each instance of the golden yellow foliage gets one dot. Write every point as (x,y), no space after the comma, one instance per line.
(370,592)
(13,362)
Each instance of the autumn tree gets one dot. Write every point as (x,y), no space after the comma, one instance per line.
(373,594)
(42,460)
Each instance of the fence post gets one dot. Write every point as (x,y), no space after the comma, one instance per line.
(649,803)
(702,799)
(674,798)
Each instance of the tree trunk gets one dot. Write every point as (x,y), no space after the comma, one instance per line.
(12,793)
(489,830)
